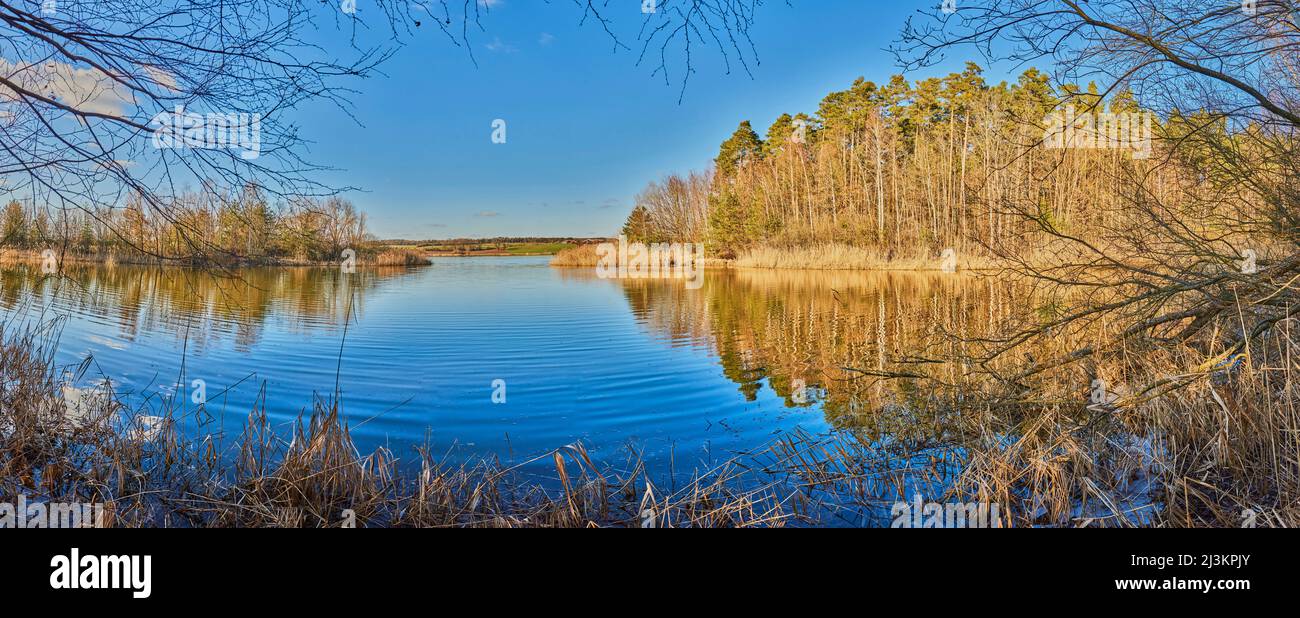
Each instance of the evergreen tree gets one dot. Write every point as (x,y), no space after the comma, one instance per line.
(744,145)
(726,225)
(778,135)
(637,228)
(15,225)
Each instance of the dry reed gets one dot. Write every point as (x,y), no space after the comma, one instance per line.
(88,448)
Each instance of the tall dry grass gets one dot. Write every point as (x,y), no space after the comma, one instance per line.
(399,257)
(572,257)
(1183,438)
(61,444)
(1184,442)
(839,256)
(825,256)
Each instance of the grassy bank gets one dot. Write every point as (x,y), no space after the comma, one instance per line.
(829,256)
(581,255)
(837,256)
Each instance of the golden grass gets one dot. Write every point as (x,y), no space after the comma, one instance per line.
(573,257)
(828,256)
(91,451)
(1218,449)
(400,257)
(838,256)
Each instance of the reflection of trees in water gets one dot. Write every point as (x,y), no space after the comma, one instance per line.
(202,306)
(787,326)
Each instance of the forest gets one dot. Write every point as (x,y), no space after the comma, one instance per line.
(894,173)
(198,228)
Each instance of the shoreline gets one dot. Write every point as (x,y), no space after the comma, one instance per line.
(366,258)
(812,258)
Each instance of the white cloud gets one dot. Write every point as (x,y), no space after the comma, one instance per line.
(497,45)
(87,90)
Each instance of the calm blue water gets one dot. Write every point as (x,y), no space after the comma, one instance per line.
(680,375)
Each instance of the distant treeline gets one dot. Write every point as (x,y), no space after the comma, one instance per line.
(197,228)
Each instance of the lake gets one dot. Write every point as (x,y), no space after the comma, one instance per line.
(508,358)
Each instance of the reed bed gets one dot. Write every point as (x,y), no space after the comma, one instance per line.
(572,257)
(839,256)
(399,257)
(825,256)
(1178,442)
(59,444)
(1184,443)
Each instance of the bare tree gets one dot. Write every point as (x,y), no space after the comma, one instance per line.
(1201,248)
(105,99)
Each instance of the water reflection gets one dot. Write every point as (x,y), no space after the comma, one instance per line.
(748,365)
(839,334)
(203,308)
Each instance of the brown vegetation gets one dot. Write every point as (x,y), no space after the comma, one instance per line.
(581,255)
(61,444)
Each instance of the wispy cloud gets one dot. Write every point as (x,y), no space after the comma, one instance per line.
(487,213)
(498,46)
(86,89)
(545,39)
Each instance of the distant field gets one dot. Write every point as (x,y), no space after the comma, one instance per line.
(491,248)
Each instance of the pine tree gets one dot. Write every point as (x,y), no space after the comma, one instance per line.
(15,225)
(726,225)
(743,146)
(637,228)
(778,135)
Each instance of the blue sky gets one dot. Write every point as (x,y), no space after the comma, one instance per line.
(586,127)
